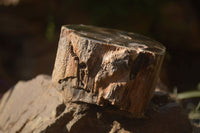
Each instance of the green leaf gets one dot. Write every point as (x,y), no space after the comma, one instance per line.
(194,115)
(188,94)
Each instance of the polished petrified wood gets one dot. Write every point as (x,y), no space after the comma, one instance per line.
(106,66)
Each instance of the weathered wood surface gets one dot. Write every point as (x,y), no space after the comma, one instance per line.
(106,66)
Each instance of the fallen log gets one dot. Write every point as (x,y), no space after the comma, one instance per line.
(106,66)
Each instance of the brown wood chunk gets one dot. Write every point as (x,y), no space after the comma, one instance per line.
(106,66)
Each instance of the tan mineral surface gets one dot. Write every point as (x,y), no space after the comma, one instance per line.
(107,66)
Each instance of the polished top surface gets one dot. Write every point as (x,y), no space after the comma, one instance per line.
(118,37)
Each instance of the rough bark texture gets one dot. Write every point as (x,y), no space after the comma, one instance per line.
(36,106)
(106,66)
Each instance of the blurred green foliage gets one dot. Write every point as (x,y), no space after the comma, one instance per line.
(194,113)
(50,30)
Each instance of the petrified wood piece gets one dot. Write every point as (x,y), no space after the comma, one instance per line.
(106,66)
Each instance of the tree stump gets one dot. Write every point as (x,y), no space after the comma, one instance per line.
(107,66)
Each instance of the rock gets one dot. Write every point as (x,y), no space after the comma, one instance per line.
(106,66)
(37,106)
(29,106)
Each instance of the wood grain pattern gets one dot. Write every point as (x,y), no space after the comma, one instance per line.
(106,66)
